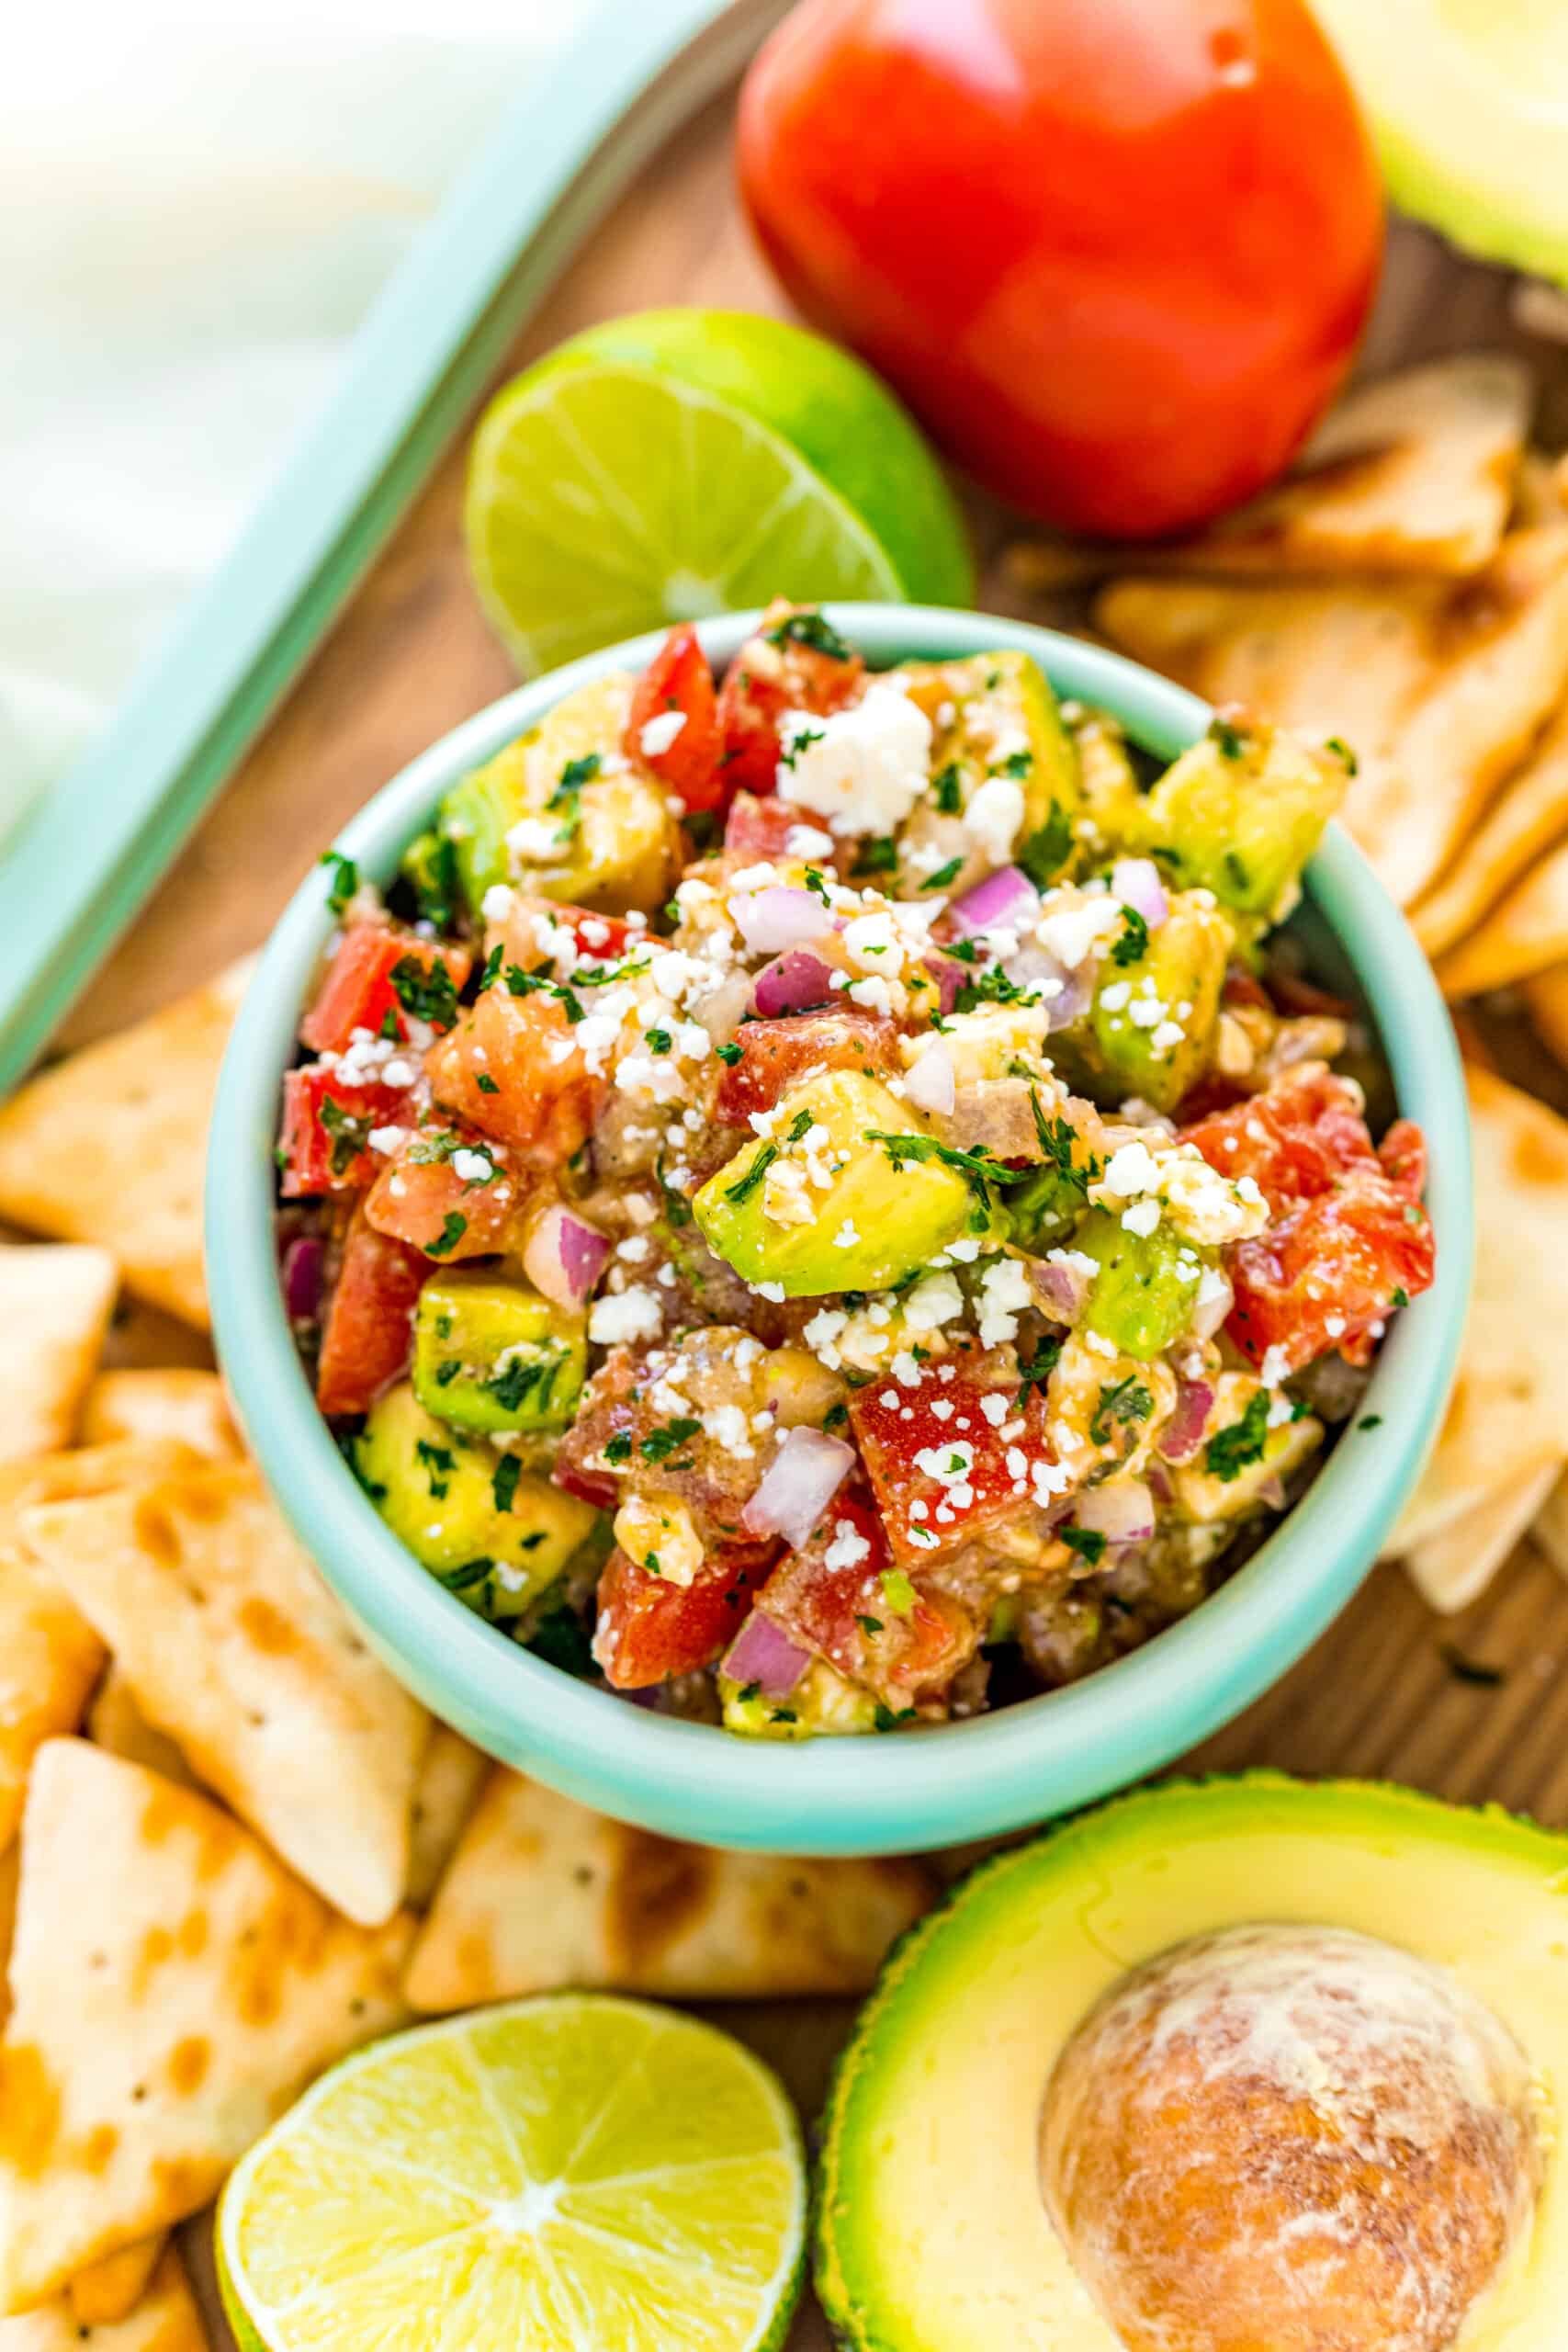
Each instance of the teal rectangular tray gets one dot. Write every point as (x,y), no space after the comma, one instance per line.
(83,863)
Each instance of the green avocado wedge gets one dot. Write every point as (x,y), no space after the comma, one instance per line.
(931,2232)
(1469,103)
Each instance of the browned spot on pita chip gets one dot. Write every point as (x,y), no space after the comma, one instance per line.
(111,2289)
(108,1146)
(138,2063)
(234,1647)
(162,2316)
(542,1893)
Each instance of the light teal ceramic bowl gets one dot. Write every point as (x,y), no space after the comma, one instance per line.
(928,1787)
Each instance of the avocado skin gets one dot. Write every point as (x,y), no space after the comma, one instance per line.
(1381,1806)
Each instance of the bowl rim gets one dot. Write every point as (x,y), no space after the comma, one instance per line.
(930,1786)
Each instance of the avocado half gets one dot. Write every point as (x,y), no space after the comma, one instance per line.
(1469,103)
(931,2233)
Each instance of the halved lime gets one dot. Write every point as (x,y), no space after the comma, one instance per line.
(679,463)
(559,2174)
(1469,99)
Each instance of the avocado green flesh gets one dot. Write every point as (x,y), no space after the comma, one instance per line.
(444,1503)
(1240,813)
(1184,965)
(492,1355)
(936,2107)
(1141,1295)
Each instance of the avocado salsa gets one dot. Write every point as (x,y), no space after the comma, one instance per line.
(818,1202)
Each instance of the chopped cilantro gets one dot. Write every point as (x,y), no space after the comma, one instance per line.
(876,857)
(979,1168)
(517,1379)
(1237,870)
(747,1692)
(492,965)
(816,886)
(1017,763)
(1133,944)
(438,1465)
(658,1041)
(1399,1298)
(573,777)
(345,881)
(1231,741)
(1043,852)
(677,1208)
(729,1055)
(426,992)
(837,1416)
(452,1229)
(1127,1402)
(944,875)
(798,1126)
(618,1448)
(1230,1451)
(784,1715)
(471,1572)
(438,888)
(486,1084)
(885,1720)
(350,1133)
(1341,750)
(1039,1368)
(391,1028)
(811,630)
(1086,1542)
(744,1186)
(503,1483)
(947,789)
(446,1373)
(660,1443)
(869,1625)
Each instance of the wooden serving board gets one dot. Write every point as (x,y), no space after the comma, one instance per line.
(1378,1696)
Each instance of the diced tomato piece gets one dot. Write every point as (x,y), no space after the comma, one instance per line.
(325,1144)
(774,672)
(649,1629)
(429,1195)
(776,1055)
(1403,1152)
(755,830)
(1296,1140)
(673,1420)
(939,1465)
(368,1331)
(512,1069)
(1329,1272)
(831,1597)
(361,991)
(678,679)
(605,938)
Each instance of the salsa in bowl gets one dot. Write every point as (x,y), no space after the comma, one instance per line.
(813,1199)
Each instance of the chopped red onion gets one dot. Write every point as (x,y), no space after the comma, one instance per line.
(762,1653)
(949,975)
(303,1275)
(799,1483)
(1159,1484)
(1065,991)
(1136,882)
(1006,897)
(563,1258)
(931,1085)
(1271,1494)
(1063,1288)
(790,983)
(720,1010)
(778,918)
(1183,1433)
(1122,1510)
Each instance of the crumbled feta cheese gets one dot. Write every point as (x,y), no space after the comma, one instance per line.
(932,1302)
(536,840)
(497,902)
(726,1424)
(619,1315)
(1141,1218)
(864,768)
(473,1167)
(386,1139)
(848,1548)
(948,1463)
(994,816)
(1166,1038)
(1004,1295)
(659,732)
(846,1236)
(1275,1367)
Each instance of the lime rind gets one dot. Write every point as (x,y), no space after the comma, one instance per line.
(401,2201)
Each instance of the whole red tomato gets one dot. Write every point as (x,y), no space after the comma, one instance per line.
(1116,254)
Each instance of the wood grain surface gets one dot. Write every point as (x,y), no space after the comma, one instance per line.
(1378,1696)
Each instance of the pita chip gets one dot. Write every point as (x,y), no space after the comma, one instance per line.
(445,1793)
(1546,996)
(1412,473)
(1454,1566)
(117,1723)
(173,1401)
(1507,1419)
(1438,686)
(1528,817)
(233,1646)
(111,2289)
(108,1145)
(54,1311)
(158,2028)
(166,2319)
(1526,932)
(8,1923)
(49,1655)
(1550,1528)
(542,1893)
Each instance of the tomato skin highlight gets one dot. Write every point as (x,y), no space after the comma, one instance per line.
(678,679)
(367,1333)
(920,1515)
(1116,257)
(776,1055)
(649,1629)
(357,992)
(308,1148)
(540,1099)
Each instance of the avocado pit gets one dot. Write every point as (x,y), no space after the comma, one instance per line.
(1301,2138)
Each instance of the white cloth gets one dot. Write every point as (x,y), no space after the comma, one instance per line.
(197,206)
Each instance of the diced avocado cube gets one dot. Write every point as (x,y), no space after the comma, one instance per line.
(1004,724)
(491,1354)
(593,830)
(1141,1295)
(1113,801)
(1242,1453)
(1152,1021)
(429,863)
(847,1192)
(822,1702)
(486,1529)
(1241,812)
